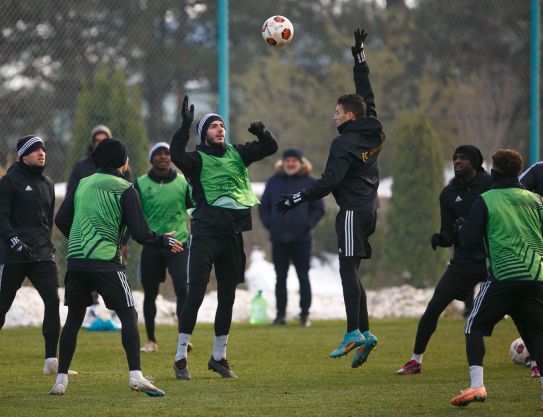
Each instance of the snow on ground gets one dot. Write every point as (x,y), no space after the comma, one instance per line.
(404,301)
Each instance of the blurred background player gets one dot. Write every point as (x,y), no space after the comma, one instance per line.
(510,220)
(223,197)
(27,201)
(532,178)
(466,268)
(352,176)
(94,218)
(164,194)
(291,234)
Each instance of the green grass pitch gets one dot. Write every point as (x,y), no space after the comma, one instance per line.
(283,371)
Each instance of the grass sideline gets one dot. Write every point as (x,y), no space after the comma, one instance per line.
(284,371)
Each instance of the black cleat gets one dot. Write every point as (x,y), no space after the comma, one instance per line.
(181,369)
(279,321)
(221,367)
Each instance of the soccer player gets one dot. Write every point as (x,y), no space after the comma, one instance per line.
(223,197)
(291,234)
(164,194)
(510,220)
(352,176)
(94,219)
(466,268)
(27,201)
(532,178)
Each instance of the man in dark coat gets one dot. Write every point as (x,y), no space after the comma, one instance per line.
(291,234)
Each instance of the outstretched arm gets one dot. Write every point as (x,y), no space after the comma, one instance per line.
(361,72)
(184,161)
(264,146)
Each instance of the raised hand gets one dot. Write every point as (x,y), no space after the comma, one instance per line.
(358,48)
(187,114)
(257,128)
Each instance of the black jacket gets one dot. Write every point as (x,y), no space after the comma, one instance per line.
(532,178)
(295,225)
(132,216)
(352,170)
(27,202)
(207,219)
(455,201)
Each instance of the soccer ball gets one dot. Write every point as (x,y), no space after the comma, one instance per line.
(277,31)
(518,352)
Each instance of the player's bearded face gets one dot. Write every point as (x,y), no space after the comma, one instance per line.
(215,135)
(340,116)
(462,165)
(36,158)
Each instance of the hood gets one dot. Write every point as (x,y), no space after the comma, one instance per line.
(480,178)
(306,169)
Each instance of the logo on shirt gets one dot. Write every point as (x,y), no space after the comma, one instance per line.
(28,188)
(458,199)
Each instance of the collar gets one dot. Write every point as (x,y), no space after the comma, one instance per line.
(111,171)
(500,180)
(31,170)
(211,150)
(169,177)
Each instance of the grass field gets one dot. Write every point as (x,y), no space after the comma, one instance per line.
(283,371)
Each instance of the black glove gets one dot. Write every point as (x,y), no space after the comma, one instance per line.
(437,240)
(358,48)
(289,202)
(458,223)
(257,128)
(187,114)
(19,247)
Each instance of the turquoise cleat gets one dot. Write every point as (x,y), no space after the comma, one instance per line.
(362,353)
(350,341)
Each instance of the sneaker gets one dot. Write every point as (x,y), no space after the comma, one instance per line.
(50,367)
(221,367)
(144,385)
(361,354)
(58,389)
(304,321)
(535,372)
(350,341)
(410,368)
(279,321)
(150,346)
(181,369)
(469,395)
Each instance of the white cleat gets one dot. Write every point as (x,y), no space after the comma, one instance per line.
(58,389)
(149,347)
(144,385)
(50,367)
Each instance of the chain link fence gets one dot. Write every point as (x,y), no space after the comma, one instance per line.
(464,64)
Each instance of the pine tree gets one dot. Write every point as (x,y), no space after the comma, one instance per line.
(414,213)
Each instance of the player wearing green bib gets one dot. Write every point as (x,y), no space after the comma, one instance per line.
(222,196)
(164,194)
(509,220)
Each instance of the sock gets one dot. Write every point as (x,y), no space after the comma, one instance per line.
(135,374)
(182,344)
(476,376)
(219,347)
(533,363)
(417,357)
(62,379)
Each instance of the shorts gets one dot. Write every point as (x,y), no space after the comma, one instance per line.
(155,261)
(226,253)
(460,278)
(112,285)
(353,229)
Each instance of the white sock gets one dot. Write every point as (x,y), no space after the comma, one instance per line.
(476,376)
(135,374)
(219,347)
(182,344)
(417,358)
(533,363)
(62,379)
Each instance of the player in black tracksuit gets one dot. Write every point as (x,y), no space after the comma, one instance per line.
(532,178)
(27,201)
(352,176)
(466,268)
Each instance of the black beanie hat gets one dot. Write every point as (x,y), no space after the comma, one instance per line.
(473,154)
(203,124)
(28,144)
(110,153)
(293,152)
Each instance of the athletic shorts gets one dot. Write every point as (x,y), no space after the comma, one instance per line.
(155,261)
(523,299)
(112,285)
(226,253)
(353,229)
(460,278)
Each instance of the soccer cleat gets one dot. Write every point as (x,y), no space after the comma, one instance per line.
(361,354)
(181,369)
(304,321)
(350,341)
(279,320)
(58,389)
(410,368)
(144,385)
(221,367)
(535,372)
(50,367)
(469,395)
(150,346)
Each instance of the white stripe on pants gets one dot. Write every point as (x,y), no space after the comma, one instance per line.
(476,306)
(126,287)
(349,239)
